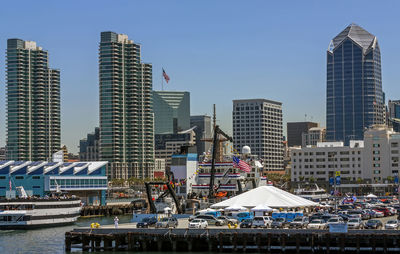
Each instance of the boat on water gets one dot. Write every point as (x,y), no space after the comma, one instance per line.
(30,212)
(314,194)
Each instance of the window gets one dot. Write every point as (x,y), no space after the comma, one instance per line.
(376,145)
(36,177)
(19,177)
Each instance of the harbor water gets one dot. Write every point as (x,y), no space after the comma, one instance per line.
(47,240)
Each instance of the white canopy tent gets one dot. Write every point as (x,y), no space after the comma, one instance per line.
(371,196)
(234,208)
(261,208)
(266,195)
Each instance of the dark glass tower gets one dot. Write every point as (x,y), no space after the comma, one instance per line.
(354,98)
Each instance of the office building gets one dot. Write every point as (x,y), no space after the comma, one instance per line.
(257,123)
(394,115)
(313,136)
(171,111)
(203,132)
(373,160)
(355,99)
(33,103)
(89,146)
(168,144)
(295,131)
(126,113)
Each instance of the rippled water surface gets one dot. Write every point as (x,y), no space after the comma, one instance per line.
(48,240)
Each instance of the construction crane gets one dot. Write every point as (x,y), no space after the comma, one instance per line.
(216,147)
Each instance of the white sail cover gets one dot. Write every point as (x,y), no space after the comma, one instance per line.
(266,195)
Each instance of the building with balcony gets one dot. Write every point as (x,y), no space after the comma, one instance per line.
(126,108)
(33,103)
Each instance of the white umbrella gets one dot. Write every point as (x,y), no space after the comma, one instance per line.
(262,208)
(371,196)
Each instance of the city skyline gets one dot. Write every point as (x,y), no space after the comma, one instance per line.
(267,68)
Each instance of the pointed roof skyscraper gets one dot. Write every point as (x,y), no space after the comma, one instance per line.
(357,34)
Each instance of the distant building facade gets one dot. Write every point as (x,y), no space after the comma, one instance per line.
(355,100)
(313,136)
(33,103)
(89,146)
(168,144)
(126,111)
(394,115)
(373,160)
(295,131)
(171,111)
(203,131)
(257,123)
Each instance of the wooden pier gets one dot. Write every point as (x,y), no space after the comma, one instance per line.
(233,240)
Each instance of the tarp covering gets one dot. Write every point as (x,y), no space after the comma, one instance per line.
(266,195)
(235,207)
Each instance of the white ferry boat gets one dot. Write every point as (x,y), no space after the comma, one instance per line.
(28,213)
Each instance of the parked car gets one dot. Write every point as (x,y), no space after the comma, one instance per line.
(147,222)
(392,224)
(167,222)
(365,215)
(211,220)
(385,211)
(334,220)
(392,210)
(355,223)
(261,222)
(299,222)
(227,220)
(378,214)
(373,224)
(279,223)
(198,223)
(247,223)
(317,224)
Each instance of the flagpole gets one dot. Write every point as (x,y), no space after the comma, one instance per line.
(162,80)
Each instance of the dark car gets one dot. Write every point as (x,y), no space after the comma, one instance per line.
(147,222)
(246,223)
(373,224)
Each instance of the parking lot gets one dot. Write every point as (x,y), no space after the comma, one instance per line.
(184,223)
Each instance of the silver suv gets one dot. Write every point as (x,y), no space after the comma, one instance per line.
(262,222)
(299,222)
(167,222)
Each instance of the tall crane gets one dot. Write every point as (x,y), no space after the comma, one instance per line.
(216,147)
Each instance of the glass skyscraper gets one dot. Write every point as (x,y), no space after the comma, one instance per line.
(171,111)
(355,99)
(33,103)
(126,113)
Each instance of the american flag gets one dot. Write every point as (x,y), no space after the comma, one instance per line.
(238,163)
(166,77)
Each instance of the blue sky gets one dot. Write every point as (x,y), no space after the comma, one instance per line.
(217,50)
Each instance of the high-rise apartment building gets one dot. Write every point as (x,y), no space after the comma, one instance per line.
(203,131)
(355,100)
(257,123)
(171,111)
(295,131)
(33,103)
(126,113)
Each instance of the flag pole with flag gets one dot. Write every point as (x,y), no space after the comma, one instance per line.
(164,76)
